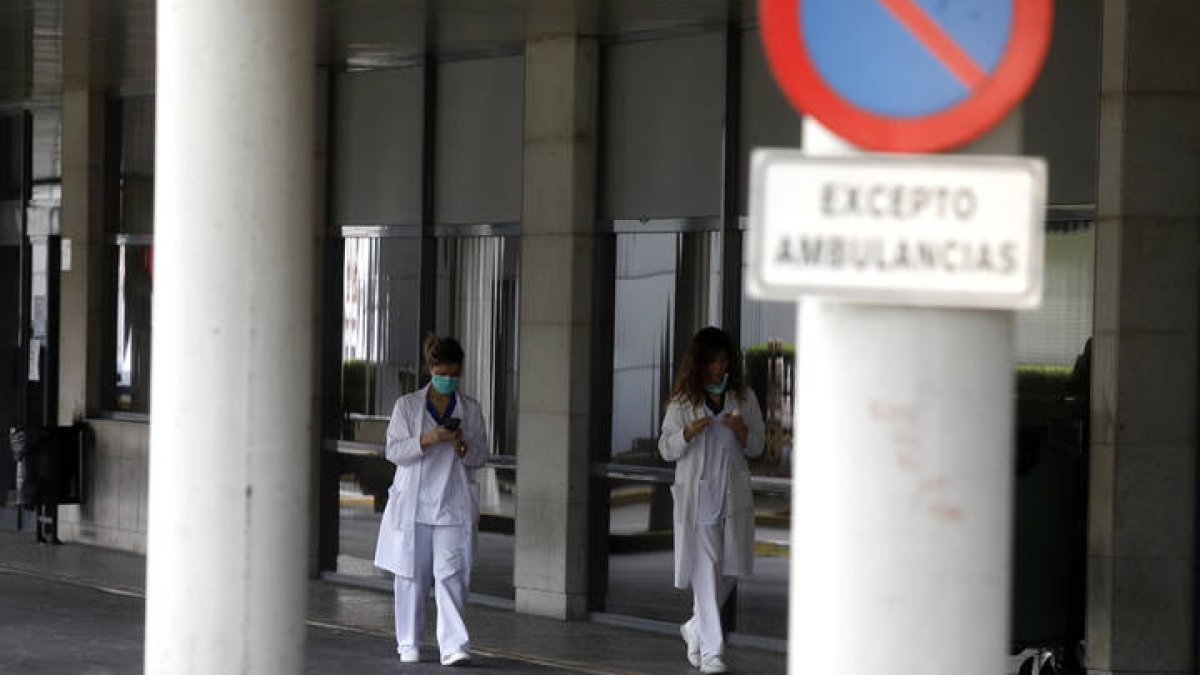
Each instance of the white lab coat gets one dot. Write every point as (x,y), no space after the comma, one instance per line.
(394,549)
(738,551)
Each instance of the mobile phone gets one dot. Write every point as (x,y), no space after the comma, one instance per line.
(452,424)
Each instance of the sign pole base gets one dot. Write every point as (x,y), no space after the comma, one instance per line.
(902,490)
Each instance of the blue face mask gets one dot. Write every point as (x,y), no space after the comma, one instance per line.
(444,384)
(718,389)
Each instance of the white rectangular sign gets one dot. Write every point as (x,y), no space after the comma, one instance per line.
(939,230)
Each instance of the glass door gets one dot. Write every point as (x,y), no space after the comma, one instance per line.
(380,360)
(12,366)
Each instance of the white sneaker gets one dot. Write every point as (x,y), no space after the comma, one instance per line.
(713,664)
(693,645)
(456,659)
(410,655)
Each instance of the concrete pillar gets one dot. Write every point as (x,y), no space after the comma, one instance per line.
(556,326)
(82,216)
(232,378)
(1142,502)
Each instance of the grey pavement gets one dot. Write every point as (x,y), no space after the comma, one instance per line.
(51,626)
(79,609)
(639,583)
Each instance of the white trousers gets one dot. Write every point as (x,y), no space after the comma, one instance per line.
(442,558)
(710,588)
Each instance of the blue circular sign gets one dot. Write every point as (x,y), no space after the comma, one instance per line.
(878,61)
(906,75)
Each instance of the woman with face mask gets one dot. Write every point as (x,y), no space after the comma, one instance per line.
(427,533)
(713,423)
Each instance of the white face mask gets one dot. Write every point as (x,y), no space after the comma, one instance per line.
(718,389)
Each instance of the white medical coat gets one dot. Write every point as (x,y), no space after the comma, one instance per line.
(690,458)
(394,549)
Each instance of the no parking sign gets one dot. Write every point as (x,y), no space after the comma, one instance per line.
(906,75)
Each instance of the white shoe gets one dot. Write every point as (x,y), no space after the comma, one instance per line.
(713,664)
(456,659)
(693,645)
(410,655)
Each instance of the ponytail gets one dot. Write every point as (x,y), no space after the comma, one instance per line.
(441,350)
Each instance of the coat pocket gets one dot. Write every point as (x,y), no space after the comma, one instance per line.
(393,515)
(741,499)
(710,502)
(473,491)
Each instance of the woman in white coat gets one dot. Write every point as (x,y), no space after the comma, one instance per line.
(713,423)
(427,534)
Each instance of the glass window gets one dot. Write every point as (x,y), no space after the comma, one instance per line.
(643,339)
(769,350)
(477,301)
(663,120)
(381,360)
(1053,341)
(137,166)
(667,286)
(134,277)
(12,390)
(11,152)
(378,142)
(47,145)
(131,261)
(381,351)
(1054,334)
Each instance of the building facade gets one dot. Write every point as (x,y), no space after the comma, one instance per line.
(563,187)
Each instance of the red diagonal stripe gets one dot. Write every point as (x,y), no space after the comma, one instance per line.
(930,34)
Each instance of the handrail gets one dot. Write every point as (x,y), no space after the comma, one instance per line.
(661,475)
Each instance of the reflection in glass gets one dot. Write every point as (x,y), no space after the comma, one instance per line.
(133,265)
(381,356)
(381,360)
(643,349)
(667,287)
(477,300)
(137,165)
(132,262)
(1054,334)
(768,343)
(478,281)
(46,156)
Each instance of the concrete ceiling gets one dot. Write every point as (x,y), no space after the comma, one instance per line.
(352,33)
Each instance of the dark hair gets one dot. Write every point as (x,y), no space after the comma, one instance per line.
(441,350)
(706,346)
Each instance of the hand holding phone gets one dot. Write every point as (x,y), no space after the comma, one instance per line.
(452,424)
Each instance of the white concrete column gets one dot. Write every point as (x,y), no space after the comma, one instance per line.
(232,377)
(1142,500)
(902,489)
(556,325)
